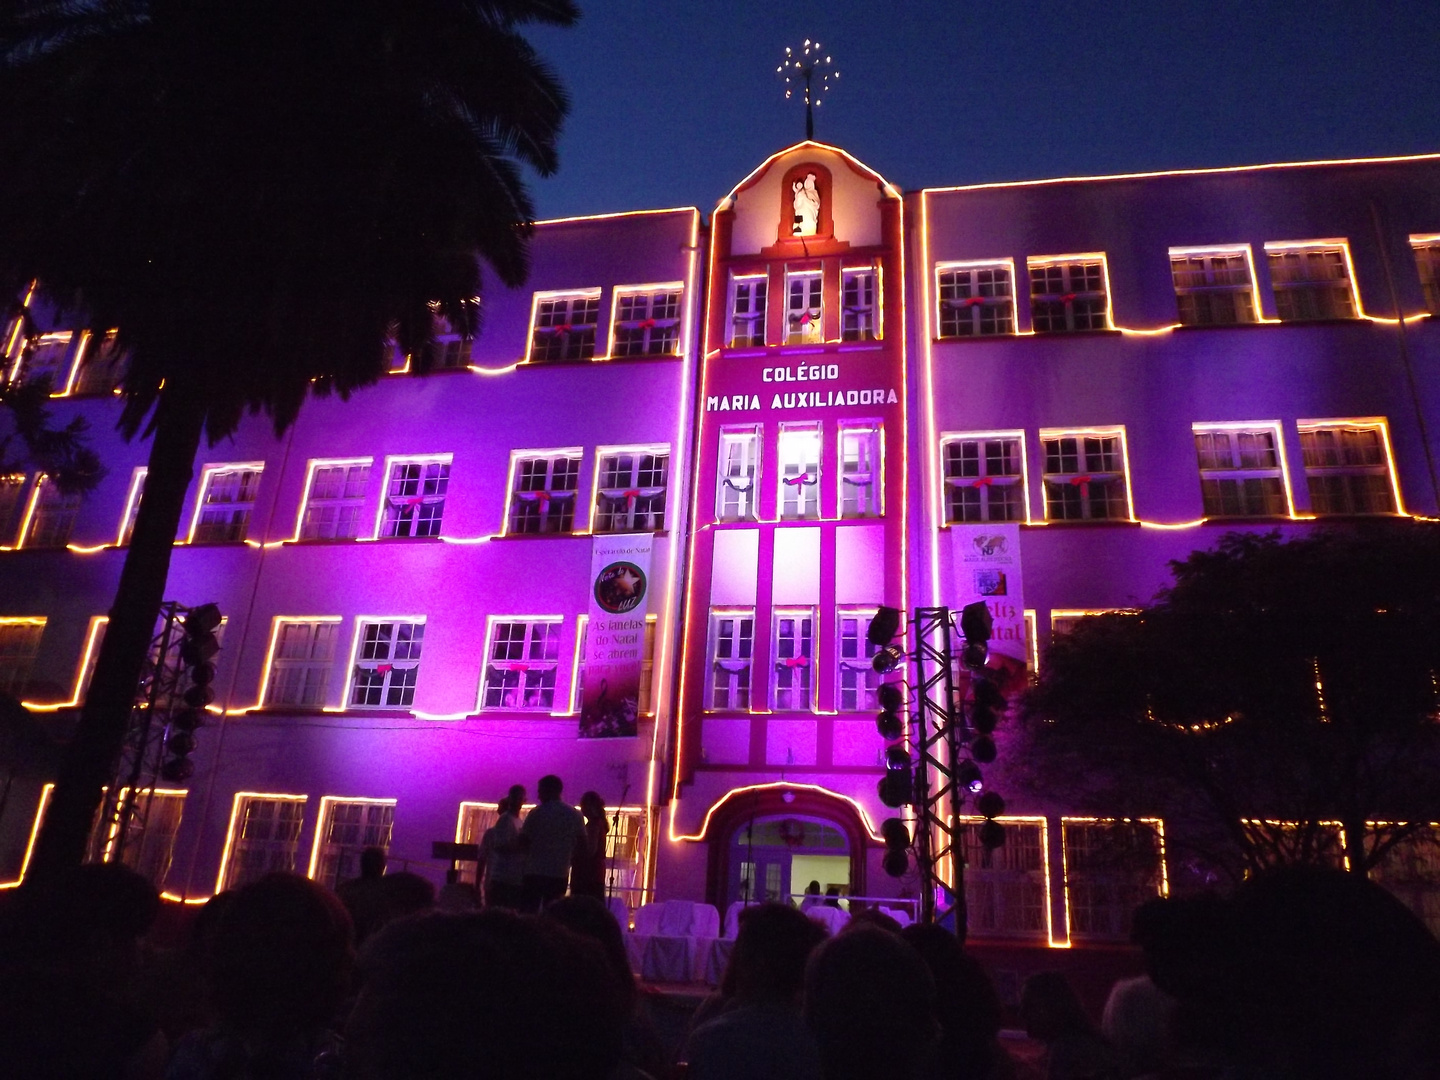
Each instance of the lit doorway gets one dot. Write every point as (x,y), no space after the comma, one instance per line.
(775,858)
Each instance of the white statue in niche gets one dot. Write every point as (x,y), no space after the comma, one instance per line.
(807,207)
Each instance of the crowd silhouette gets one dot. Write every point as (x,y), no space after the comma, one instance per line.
(1300,973)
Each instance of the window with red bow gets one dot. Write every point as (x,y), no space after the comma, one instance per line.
(975,301)
(984,478)
(747,310)
(631,492)
(857,678)
(860,488)
(565,326)
(793,642)
(859,304)
(1068,294)
(647,323)
(546,487)
(735,495)
(799,451)
(1085,477)
(415,498)
(387,665)
(732,644)
(803,308)
(521,663)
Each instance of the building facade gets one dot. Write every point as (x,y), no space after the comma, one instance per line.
(826,400)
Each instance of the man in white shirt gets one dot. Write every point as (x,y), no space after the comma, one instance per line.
(548,837)
(501,857)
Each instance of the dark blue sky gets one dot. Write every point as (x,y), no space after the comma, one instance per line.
(674,103)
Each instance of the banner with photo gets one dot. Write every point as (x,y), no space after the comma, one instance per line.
(615,635)
(987,567)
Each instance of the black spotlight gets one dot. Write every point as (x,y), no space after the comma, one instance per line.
(888,659)
(989,704)
(982,749)
(897,839)
(968,776)
(975,621)
(992,835)
(884,626)
(897,788)
(990,804)
(897,759)
(889,722)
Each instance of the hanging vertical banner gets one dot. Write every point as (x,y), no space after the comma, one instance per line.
(615,635)
(987,567)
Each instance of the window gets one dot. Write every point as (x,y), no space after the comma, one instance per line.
(1063,620)
(1111,868)
(732,643)
(19,645)
(12,486)
(984,478)
(47,358)
(520,664)
(1310,282)
(449,352)
(1411,872)
(860,470)
(94,637)
(1068,294)
(226,503)
(564,327)
(387,665)
(799,452)
(1005,888)
(347,827)
(1427,261)
(794,648)
(1347,467)
(264,838)
(102,366)
(52,516)
(152,822)
(858,680)
(1240,473)
(645,704)
(1085,476)
(1213,288)
(747,311)
(630,496)
(975,301)
(414,503)
(337,496)
(860,304)
(647,323)
(132,506)
(802,308)
(735,478)
(301,655)
(545,492)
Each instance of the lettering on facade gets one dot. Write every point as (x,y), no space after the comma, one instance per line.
(809,399)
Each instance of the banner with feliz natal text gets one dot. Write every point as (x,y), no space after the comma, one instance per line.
(987,567)
(615,635)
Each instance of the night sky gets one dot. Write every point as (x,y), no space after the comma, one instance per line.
(673,103)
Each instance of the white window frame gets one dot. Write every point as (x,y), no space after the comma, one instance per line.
(1237,475)
(978,303)
(1080,310)
(804,307)
(853,657)
(239,510)
(534,657)
(49,355)
(631,506)
(395,681)
(563,325)
(1350,470)
(1086,476)
(345,510)
(558,506)
(1063,620)
(736,490)
(309,662)
(792,659)
(861,303)
(1427,265)
(1310,279)
(20,637)
(49,516)
(749,294)
(256,845)
(731,660)
(92,358)
(150,836)
(1099,902)
(1005,899)
(983,481)
(645,319)
(335,860)
(861,453)
(799,452)
(12,494)
(425,504)
(132,506)
(1207,294)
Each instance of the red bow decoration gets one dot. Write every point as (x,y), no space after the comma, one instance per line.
(1080,481)
(564,328)
(384,669)
(1069,297)
(517,667)
(647,324)
(796,661)
(418,500)
(805,319)
(974,300)
(542,496)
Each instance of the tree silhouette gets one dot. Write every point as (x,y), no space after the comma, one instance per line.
(264,199)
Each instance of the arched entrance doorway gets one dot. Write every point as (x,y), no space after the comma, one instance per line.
(770,843)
